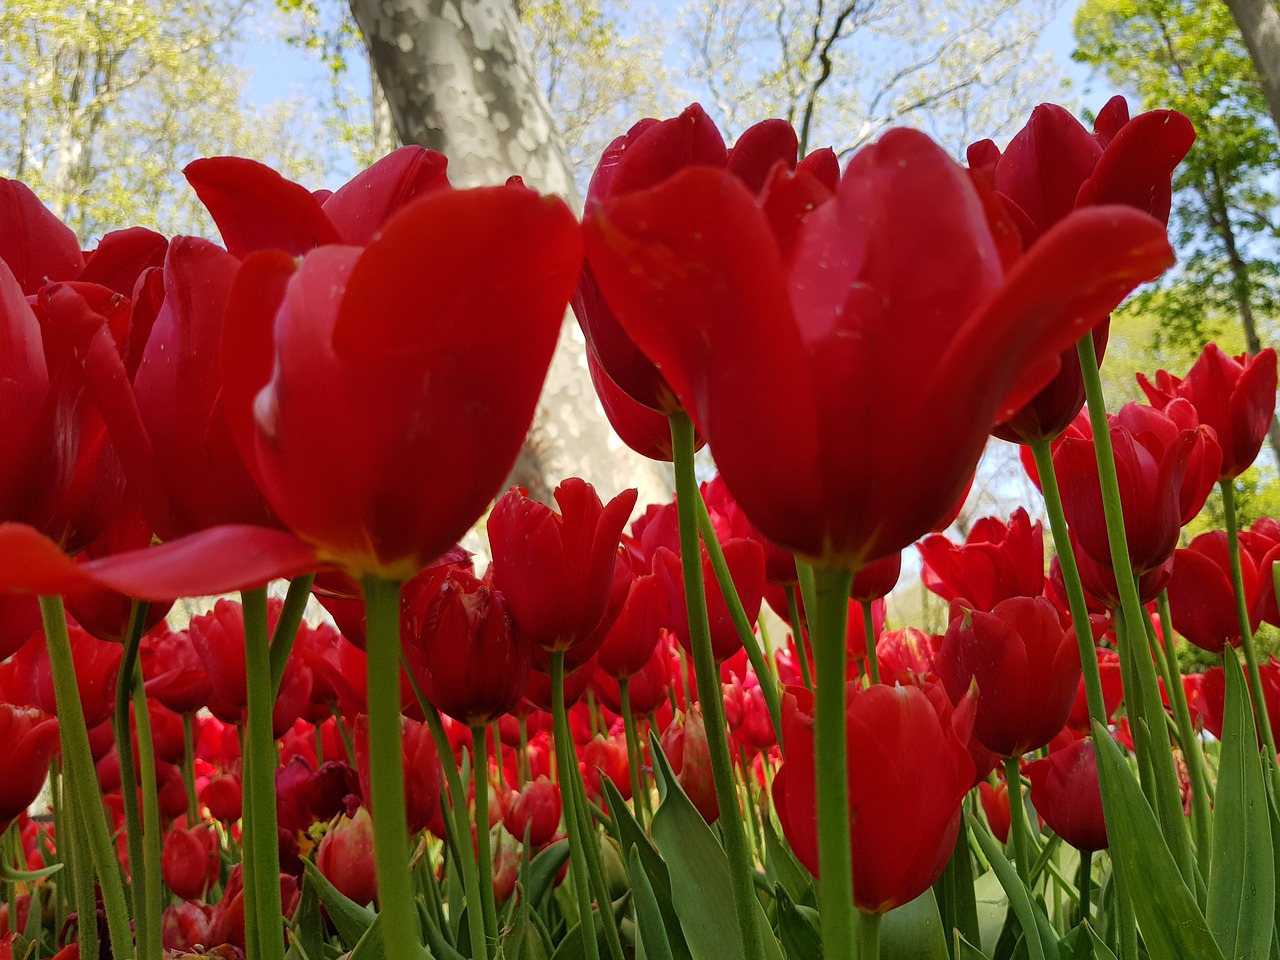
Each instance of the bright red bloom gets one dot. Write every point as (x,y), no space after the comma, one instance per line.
(633,636)
(536,809)
(186,926)
(555,570)
(685,744)
(997,561)
(1234,396)
(602,757)
(190,862)
(995,804)
(1112,691)
(897,271)
(27,678)
(1207,699)
(745,559)
(1065,792)
(909,770)
(906,654)
(1202,601)
(647,687)
(410,367)
(345,856)
(423,775)
(28,742)
(462,649)
(1026,666)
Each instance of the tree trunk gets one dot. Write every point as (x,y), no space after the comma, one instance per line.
(458,79)
(1259,24)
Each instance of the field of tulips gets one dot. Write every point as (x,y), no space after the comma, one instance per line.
(596,746)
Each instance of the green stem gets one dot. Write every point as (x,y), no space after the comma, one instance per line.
(835,863)
(461,829)
(710,694)
(286,631)
(128,771)
(1084,882)
(484,854)
(869,631)
(634,758)
(149,935)
(595,870)
(74,844)
(400,930)
(797,633)
(523,771)
(739,615)
(753,819)
(869,936)
(12,852)
(248,830)
(262,855)
(1201,817)
(189,766)
(81,782)
(1164,792)
(566,763)
(1261,719)
(1018,826)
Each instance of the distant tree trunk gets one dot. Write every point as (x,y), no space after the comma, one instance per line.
(458,79)
(385,138)
(1259,24)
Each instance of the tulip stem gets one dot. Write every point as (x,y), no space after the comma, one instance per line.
(149,936)
(128,772)
(1085,880)
(1018,826)
(869,632)
(401,934)
(1261,719)
(456,809)
(566,764)
(286,631)
(1201,818)
(1163,790)
(797,634)
(189,765)
(80,780)
(484,854)
(869,936)
(739,615)
(835,861)
(74,847)
(634,758)
(710,694)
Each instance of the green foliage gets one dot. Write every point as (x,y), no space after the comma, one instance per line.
(102,103)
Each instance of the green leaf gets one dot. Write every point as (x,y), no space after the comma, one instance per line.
(914,931)
(954,890)
(1019,898)
(798,927)
(700,883)
(1242,905)
(964,950)
(308,926)
(10,874)
(1100,949)
(351,920)
(652,939)
(436,940)
(781,866)
(1172,925)
(543,869)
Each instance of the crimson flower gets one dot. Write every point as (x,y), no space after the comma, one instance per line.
(345,856)
(1065,792)
(190,861)
(423,775)
(685,744)
(894,276)
(409,367)
(535,810)
(28,742)
(909,770)
(1202,601)
(997,561)
(1235,396)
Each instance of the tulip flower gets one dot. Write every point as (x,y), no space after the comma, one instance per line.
(1202,601)
(909,770)
(685,744)
(1025,665)
(1235,396)
(28,743)
(897,271)
(995,804)
(345,856)
(555,570)
(190,862)
(1065,792)
(535,812)
(997,561)
(424,776)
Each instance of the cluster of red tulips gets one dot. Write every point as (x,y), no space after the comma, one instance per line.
(596,747)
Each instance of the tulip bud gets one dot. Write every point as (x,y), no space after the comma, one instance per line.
(345,857)
(190,862)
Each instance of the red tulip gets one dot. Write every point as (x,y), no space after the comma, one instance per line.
(555,570)
(223,796)
(27,677)
(1112,691)
(997,561)
(28,743)
(345,856)
(359,357)
(186,926)
(1202,601)
(995,804)
(633,636)
(1065,792)
(1025,665)
(1236,397)
(899,271)
(685,744)
(907,654)
(190,862)
(423,775)
(745,559)
(908,773)
(307,794)
(536,809)
(463,652)
(1207,699)
(605,757)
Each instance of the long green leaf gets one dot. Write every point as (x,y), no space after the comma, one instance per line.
(1242,886)
(798,927)
(781,866)
(1019,898)
(652,930)
(1172,925)
(914,931)
(351,920)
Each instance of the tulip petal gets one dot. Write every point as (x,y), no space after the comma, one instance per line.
(361,206)
(121,258)
(35,244)
(256,208)
(1138,163)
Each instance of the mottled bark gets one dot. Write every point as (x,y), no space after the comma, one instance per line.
(458,79)
(1259,24)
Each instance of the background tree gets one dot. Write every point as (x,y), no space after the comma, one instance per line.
(1189,56)
(103,102)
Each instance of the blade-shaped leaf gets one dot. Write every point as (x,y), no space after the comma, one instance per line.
(1019,898)
(652,930)
(914,931)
